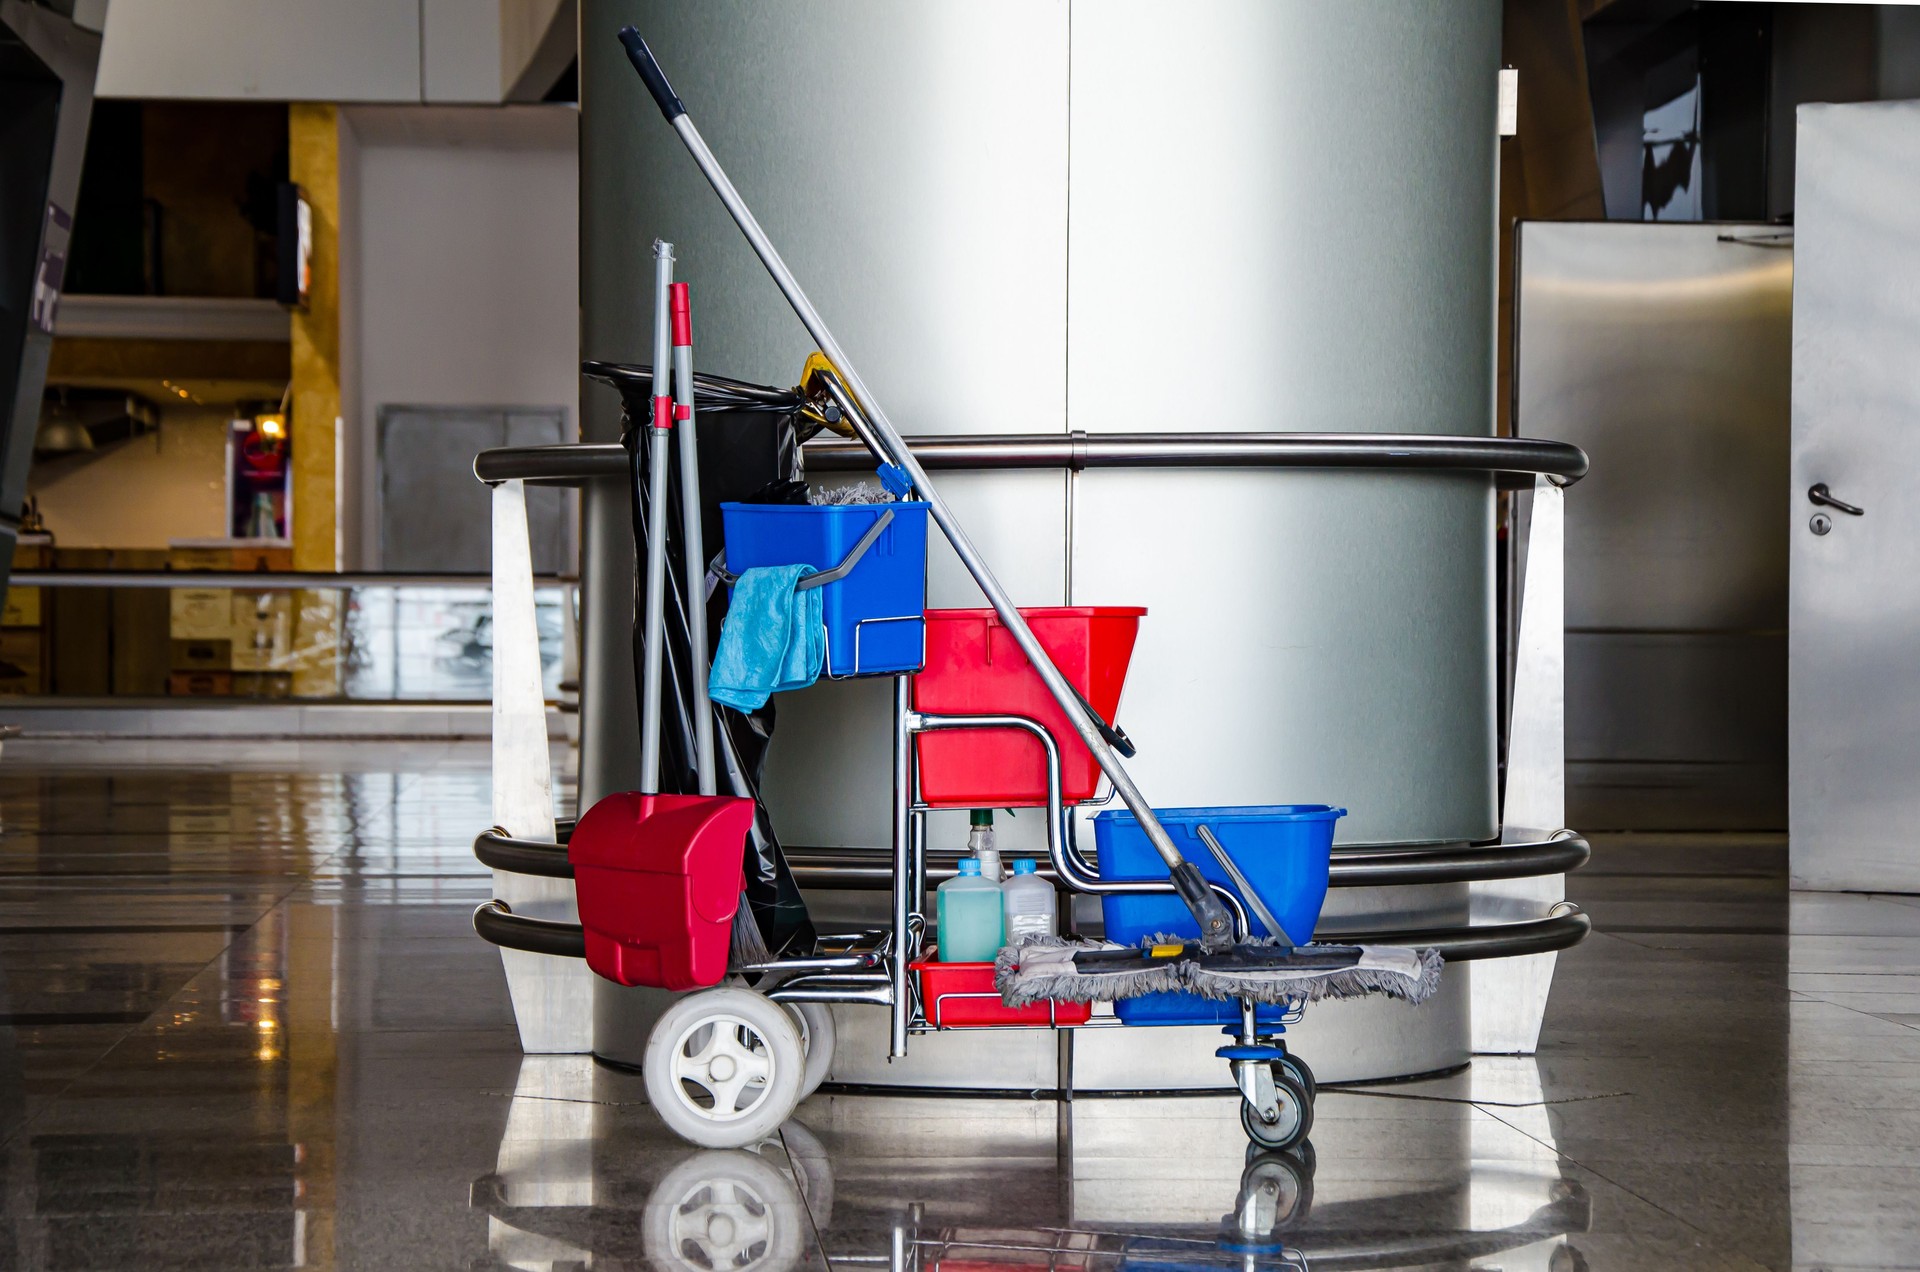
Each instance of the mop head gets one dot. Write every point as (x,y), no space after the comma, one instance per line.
(861,493)
(1043,967)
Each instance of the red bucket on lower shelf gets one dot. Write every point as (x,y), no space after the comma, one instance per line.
(962,996)
(974,667)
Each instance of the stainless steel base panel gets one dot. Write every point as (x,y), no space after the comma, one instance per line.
(1350,1041)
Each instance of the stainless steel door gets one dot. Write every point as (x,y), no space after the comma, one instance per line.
(1853,699)
(1663,351)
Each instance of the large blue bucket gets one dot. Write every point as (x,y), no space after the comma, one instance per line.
(876,616)
(1282,849)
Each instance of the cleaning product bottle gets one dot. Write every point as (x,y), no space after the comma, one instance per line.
(1029,903)
(972,927)
(980,843)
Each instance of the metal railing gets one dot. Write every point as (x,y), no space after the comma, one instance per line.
(1520,458)
(1355,866)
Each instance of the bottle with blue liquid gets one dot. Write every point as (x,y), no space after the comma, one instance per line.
(971,917)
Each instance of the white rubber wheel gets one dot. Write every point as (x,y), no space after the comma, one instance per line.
(724,1212)
(723,1067)
(815,1022)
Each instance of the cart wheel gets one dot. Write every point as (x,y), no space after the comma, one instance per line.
(1294,1122)
(723,1067)
(1301,1074)
(728,1210)
(1276,1191)
(815,1022)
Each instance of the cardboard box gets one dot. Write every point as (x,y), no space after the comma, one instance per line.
(80,630)
(263,684)
(23,666)
(199,558)
(201,613)
(200,684)
(262,555)
(142,641)
(202,655)
(32,551)
(262,631)
(248,555)
(22,609)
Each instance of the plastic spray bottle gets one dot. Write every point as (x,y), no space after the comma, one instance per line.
(980,843)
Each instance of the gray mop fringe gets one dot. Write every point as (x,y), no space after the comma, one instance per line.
(1191,976)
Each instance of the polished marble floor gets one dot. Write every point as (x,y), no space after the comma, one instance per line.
(244,1023)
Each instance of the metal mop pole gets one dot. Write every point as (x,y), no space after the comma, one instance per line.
(1216,927)
(652,674)
(691,534)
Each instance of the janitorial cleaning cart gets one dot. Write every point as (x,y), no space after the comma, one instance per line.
(1209,912)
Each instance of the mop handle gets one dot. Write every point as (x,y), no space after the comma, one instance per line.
(692,535)
(652,673)
(1216,927)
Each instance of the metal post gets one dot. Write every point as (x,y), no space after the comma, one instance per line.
(902,861)
(653,673)
(552,997)
(693,540)
(1510,994)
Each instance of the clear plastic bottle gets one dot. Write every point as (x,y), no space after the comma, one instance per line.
(1029,903)
(972,926)
(980,844)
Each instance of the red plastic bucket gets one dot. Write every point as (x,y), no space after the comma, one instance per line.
(974,667)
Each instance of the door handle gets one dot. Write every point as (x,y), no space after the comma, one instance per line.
(1820,495)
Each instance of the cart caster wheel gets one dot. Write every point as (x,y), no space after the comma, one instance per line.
(730,1210)
(1276,1192)
(1294,1122)
(723,1067)
(815,1023)
(1301,1074)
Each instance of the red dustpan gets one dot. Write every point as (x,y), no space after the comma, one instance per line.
(658,880)
(658,877)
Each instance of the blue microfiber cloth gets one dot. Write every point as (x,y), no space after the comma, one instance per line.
(774,638)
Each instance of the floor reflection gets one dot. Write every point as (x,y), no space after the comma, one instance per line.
(245,1023)
(584,1178)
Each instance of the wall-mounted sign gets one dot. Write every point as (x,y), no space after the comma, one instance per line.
(296,246)
(259,458)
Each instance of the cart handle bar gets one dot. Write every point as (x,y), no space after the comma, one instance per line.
(839,571)
(1216,925)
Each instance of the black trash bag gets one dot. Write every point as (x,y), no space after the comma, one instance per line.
(749,443)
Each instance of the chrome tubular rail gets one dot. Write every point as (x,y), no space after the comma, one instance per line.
(501,926)
(500,851)
(1514,459)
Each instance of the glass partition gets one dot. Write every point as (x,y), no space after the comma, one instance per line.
(133,635)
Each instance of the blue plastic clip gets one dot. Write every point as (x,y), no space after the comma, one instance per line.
(896,481)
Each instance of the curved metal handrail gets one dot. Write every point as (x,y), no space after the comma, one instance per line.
(858,869)
(500,926)
(1515,457)
(1497,940)
(500,851)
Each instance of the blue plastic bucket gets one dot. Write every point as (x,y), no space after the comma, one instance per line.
(876,616)
(1282,849)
